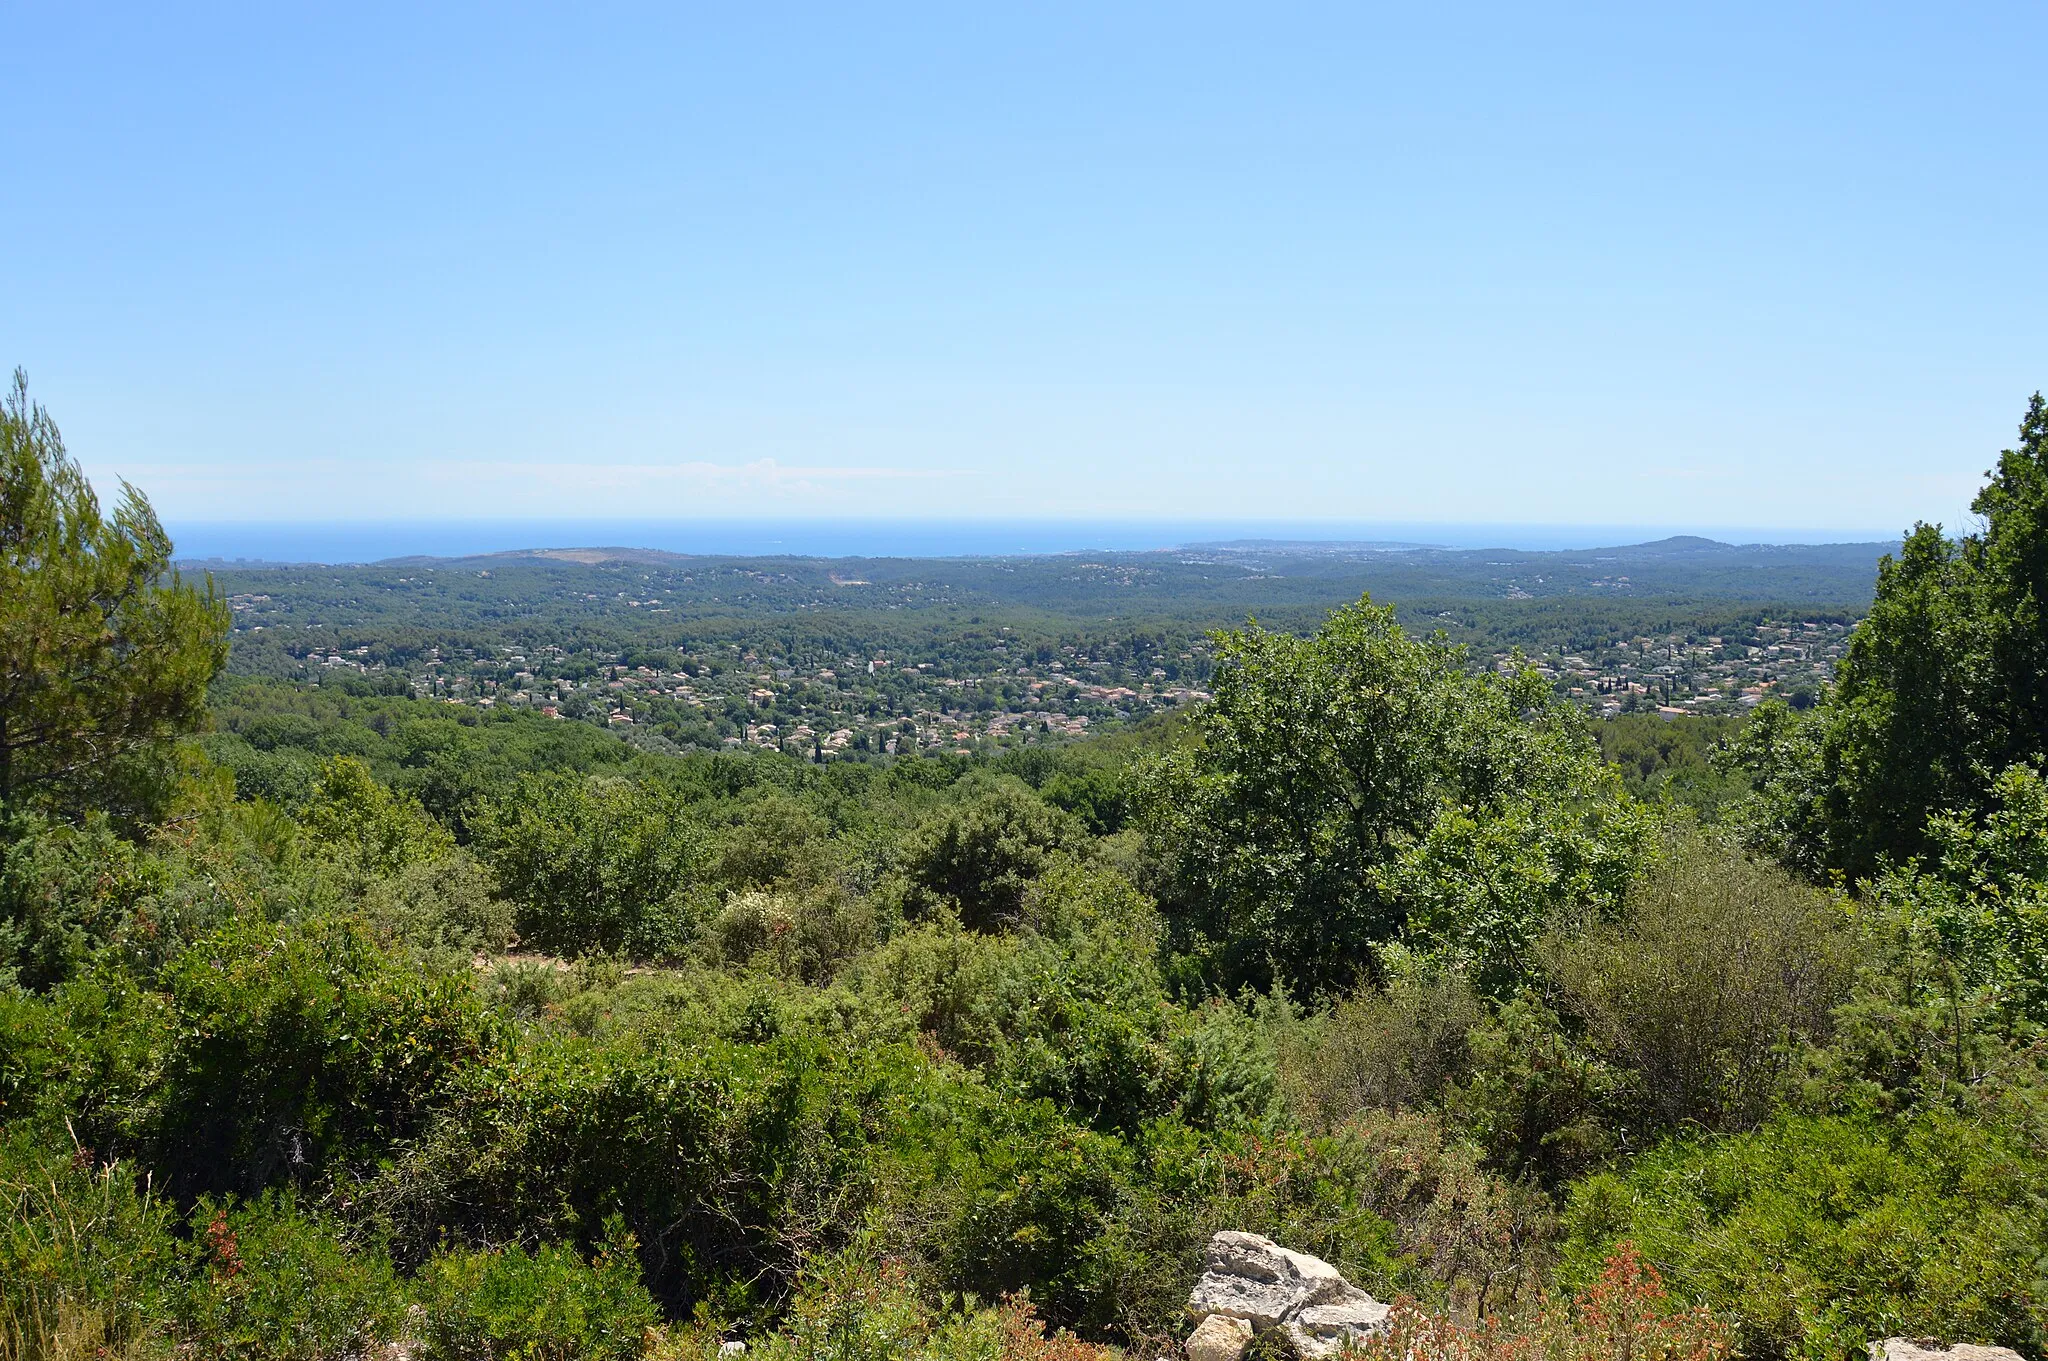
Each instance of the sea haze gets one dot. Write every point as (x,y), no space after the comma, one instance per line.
(364,541)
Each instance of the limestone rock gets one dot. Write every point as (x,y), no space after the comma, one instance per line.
(1247,1254)
(1926,1349)
(1256,1283)
(1219,1337)
(1322,1330)
(1326,1285)
(1262,1304)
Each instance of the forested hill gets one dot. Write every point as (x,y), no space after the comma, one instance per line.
(1223,582)
(861,655)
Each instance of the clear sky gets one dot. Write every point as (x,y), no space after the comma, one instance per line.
(1755,264)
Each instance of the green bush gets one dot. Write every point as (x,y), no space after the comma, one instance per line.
(89,1256)
(300,1046)
(271,1279)
(1076,1012)
(544,1305)
(804,935)
(1401,1047)
(775,840)
(730,1161)
(1535,1100)
(1815,1234)
(596,864)
(982,856)
(65,891)
(446,904)
(1702,993)
(364,830)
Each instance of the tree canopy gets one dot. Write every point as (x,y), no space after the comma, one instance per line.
(1359,785)
(103,656)
(1942,690)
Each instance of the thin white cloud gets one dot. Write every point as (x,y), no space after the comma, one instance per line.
(762,473)
(347,488)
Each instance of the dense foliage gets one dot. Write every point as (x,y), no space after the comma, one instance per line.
(100,658)
(382,1019)
(1941,693)
(1357,787)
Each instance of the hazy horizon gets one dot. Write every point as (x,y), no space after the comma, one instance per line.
(372,541)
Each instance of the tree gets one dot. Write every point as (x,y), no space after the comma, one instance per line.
(1359,786)
(596,864)
(983,855)
(1941,692)
(103,658)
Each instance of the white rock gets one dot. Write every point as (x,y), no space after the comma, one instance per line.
(1255,1280)
(1219,1338)
(1325,1329)
(1926,1349)
(1261,1303)
(1247,1254)
(1324,1282)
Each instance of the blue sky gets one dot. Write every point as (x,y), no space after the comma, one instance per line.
(1767,265)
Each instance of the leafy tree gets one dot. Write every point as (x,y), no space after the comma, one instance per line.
(1351,780)
(983,855)
(102,659)
(1982,898)
(602,864)
(369,832)
(1941,690)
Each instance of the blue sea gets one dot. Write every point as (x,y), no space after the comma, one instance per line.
(361,541)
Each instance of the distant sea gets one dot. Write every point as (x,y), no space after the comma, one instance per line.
(354,541)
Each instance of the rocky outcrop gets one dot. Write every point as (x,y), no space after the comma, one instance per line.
(1924,1349)
(1252,1284)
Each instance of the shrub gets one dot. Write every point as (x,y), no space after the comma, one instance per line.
(1535,1101)
(982,856)
(798,935)
(544,1305)
(1625,1315)
(598,864)
(1080,1018)
(296,1046)
(1401,1047)
(1720,968)
(1474,1240)
(732,1162)
(774,841)
(854,1309)
(441,904)
(1815,1234)
(90,1261)
(365,830)
(1984,899)
(273,1280)
(64,892)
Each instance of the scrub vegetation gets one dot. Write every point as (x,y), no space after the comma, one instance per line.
(333,1018)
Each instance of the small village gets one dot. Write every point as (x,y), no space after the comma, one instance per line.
(879,705)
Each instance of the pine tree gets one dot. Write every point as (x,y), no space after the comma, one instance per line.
(105,654)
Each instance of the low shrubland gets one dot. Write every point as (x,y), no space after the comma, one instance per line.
(502,1040)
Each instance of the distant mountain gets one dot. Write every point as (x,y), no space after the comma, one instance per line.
(1682,543)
